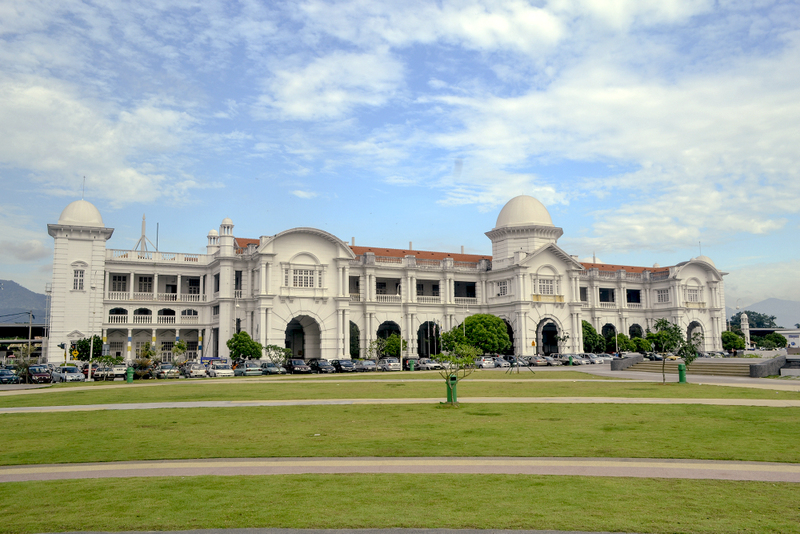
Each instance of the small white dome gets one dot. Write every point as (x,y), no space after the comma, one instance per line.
(523,210)
(226,222)
(705,259)
(81,213)
(212,232)
(656,266)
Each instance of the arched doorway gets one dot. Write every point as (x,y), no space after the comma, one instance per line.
(547,336)
(609,333)
(510,331)
(428,342)
(635,331)
(303,338)
(694,328)
(388,328)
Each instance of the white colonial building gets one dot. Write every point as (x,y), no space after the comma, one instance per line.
(308,290)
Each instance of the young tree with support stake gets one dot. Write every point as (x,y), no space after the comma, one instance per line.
(669,336)
(458,363)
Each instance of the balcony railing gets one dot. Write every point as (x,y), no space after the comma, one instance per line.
(166,319)
(237,293)
(547,298)
(142,319)
(117,319)
(118,295)
(428,299)
(190,319)
(168,297)
(465,301)
(635,305)
(608,304)
(142,296)
(388,299)
(148,319)
(355,297)
(192,298)
(151,256)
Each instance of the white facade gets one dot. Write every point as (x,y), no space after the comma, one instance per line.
(302,288)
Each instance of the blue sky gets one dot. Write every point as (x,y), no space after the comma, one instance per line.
(646,127)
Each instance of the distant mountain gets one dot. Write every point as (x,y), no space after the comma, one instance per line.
(786,312)
(16,299)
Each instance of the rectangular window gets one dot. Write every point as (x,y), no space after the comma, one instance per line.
(607,294)
(191,346)
(119,282)
(546,287)
(115,348)
(302,278)
(502,288)
(662,295)
(584,294)
(435,290)
(194,286)
(166,346)
(633,296)
(237,280)
(139,346)
(77,280)
(145,284)
(215,310)
(216,283)
(420,289)
(693,295)
(380,288)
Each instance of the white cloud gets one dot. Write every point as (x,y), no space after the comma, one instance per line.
(331,86)
(762,281)
(303,194)
(26,251)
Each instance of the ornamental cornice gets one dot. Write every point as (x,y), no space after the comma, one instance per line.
(553,232)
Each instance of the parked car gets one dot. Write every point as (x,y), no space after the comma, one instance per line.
(167,370)
(248,368)
(195,370)
(118,371)
(427,364)
(388,364)
(551,362)
(539,361)
(363,366)
(103,373)
(343,366)
(321,366)
(36,374)
(68,373)
(85,369)
(7,377)
(270,368)
(501,362)
(297,366)
(576,360)
(220,370)
(484,362)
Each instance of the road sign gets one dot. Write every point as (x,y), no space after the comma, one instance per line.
(75,353)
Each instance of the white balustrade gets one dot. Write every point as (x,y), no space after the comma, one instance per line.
(608,304)
(635,305)
(427,299)
(190,319)
(117,319)
(465,301)
(168,297)
(142,319)
(355,297)
(388,299)
(142,296)
(166,319)
(192,298)
(118,295)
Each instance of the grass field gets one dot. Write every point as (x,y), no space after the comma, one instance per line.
(396,501)
(385,387)
(401,501)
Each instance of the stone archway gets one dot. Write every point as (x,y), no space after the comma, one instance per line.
(694,328)
(510,331)
(635,331)
(388,328)
(428,342)
(303,338)
(547,333)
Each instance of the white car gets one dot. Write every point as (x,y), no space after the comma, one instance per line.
(500,362)
(426,364)
(389,364)
(195,370)
(484,362)
(68,373)
(219,370)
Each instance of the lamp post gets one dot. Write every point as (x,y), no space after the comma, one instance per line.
(92,287)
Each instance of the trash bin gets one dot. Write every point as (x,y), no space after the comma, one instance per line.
(682,373)
(452,394)
(411,365)
(129,375)
(570,360)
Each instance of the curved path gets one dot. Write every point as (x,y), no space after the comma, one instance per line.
(607,467)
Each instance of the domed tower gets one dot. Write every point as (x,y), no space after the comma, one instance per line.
(524,225)
(213,242)
(79,258)
(226,241)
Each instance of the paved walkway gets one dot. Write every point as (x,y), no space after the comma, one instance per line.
(606,467)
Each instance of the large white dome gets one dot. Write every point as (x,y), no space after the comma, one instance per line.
(81,213)
(523,210)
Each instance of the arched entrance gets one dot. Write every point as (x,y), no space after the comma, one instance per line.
(635,331)
(510,331)
(428,342)
(303,338)
(388,328)
(694,328)
(610,335)
(547,336)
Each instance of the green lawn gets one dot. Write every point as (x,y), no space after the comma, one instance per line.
(398,387)
(401,501)
(603,430)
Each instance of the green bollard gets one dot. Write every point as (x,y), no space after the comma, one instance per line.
(129,375)
(570,360)
(452,393)
(682,373)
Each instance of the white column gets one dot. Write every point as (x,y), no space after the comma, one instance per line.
(178,297)
(262,326)
(105,287)
(267,278)
(155,286)
(130,289)
(346,331)
(268,327)
(523,334)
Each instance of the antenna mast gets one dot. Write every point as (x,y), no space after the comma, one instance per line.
(141,245)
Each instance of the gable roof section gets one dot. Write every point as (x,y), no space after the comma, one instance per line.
(558,251)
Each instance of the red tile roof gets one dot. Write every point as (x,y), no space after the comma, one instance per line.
(420,254)
(628,268)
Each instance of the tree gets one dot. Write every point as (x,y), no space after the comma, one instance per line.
(487,333)
(755,319)
(670,337)
(457,363)
(241,345)
(355,348)
(146,359)
(393,344)
(623,343)
(277,354)
(179,352)
(641,345)
(777,339)
(376,348)
(592,341)
(83,348)
(731,341)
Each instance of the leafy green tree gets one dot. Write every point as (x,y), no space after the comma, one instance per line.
(241,345)
(670,337)
(592,341)
(393,344)
(277,354)
(731,341)
(179,349)
(641,345)
(376,348)
(146,360)
(762,342)
(623,343)
(487,333)
(355,348)
(457,363)
(755,319)
(83,348)
(777,339)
